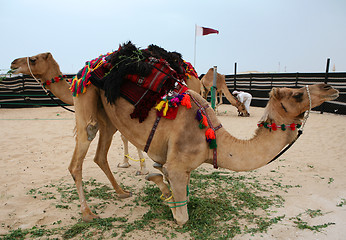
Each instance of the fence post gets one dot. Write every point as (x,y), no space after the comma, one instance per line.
(235,76)
(213,89)
(297,77)
(325,81)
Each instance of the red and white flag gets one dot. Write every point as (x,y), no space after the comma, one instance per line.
(201,31)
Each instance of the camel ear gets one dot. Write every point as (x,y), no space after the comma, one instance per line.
(276,93)
(47,55)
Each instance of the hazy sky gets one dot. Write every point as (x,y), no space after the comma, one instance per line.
(266,35)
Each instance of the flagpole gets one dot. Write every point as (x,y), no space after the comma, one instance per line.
(194,58)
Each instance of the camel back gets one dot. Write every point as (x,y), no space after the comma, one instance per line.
(142,77)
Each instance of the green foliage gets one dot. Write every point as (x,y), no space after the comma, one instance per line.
(222,205)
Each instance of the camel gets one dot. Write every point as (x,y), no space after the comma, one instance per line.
(221,88)
(178,146)
(45,68)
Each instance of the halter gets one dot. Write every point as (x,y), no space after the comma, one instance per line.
(38,81)
(44,89)
(300,131)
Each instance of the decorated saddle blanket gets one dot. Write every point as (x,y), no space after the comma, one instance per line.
(143,77)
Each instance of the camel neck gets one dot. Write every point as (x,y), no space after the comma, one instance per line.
(60,89)
(245,155)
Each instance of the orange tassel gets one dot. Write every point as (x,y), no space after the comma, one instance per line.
(186,101)
(210,134)
(204,120)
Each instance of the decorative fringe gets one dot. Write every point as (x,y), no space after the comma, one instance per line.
(186,101)
(210,134)
(212,144)
(80,82)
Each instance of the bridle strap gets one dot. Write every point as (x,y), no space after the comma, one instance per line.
(38,81)
(46,91)
(300,131)
(203,110)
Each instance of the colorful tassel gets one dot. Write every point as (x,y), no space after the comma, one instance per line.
(210,134)
(186,101)
(212,144)
(159,106)
(199,116)
(165,110)
(274,127)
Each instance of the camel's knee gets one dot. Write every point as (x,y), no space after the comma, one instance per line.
(92,129)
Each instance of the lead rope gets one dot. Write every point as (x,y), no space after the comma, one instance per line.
(300,131)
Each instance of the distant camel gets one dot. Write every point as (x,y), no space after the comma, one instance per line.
(221,87)
(179,146)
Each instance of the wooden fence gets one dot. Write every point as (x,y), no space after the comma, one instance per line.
(24,91)
(259,85)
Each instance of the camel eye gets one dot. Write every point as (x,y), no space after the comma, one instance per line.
(32,60)
(298,97)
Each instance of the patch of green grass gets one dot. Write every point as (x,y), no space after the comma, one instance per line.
(301,224)
(222,205)
(342,203)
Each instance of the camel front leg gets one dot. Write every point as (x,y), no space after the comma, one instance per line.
(75,168)
(178,179)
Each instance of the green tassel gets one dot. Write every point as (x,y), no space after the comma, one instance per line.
(283,127)
(265,125)
(212,144)
(201,126)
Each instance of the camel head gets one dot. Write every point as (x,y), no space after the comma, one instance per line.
(241,109)
(287,104)
(40,65)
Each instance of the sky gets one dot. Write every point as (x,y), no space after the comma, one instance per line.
(264,36)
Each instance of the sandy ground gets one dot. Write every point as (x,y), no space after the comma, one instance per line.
(36,146)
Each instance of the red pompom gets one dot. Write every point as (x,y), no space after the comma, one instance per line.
(210,134)
(274,127)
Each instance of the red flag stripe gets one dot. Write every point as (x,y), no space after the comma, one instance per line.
(207,31)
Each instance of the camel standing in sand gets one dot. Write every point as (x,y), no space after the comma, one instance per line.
(221,88)
(179,145)
(44,67)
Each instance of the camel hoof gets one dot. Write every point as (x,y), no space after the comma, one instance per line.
(89,217)
(157,166)
(152,176)
(142,172)
(125,195)
(124,165)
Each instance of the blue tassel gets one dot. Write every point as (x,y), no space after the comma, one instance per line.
(199,115)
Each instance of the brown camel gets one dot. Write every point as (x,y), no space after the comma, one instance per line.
(44,67)
(221,88)
(179,145)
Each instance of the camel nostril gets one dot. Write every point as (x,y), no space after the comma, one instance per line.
(327,87)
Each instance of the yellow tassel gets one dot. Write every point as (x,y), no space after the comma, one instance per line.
(166,109)
(159,106)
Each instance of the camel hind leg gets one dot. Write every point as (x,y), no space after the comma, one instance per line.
(125,164)
(106,132)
